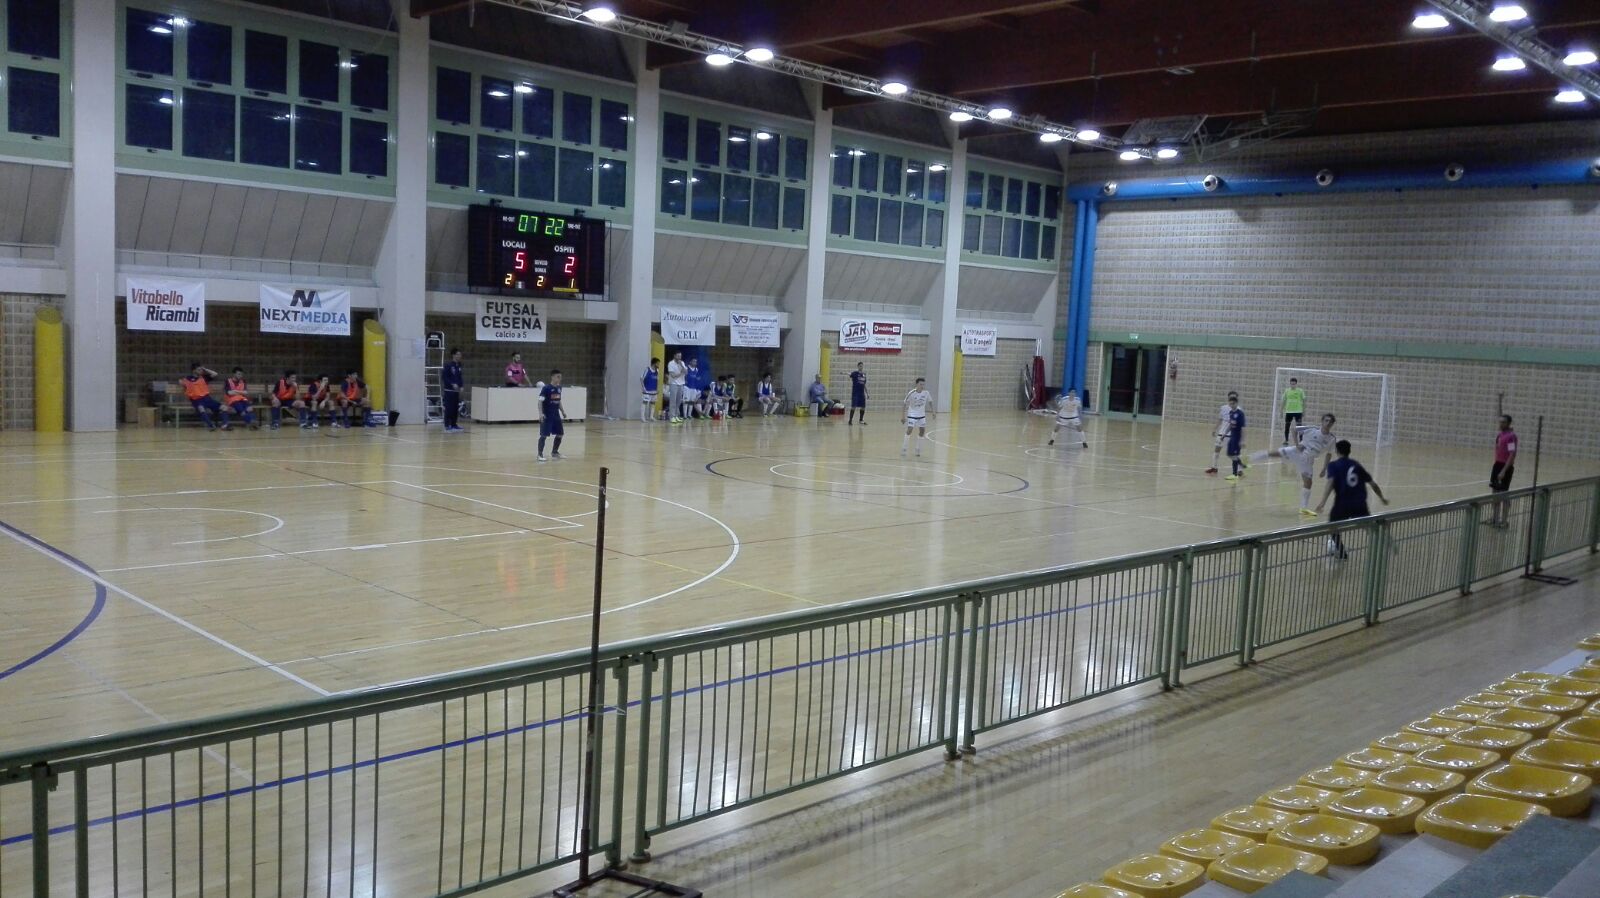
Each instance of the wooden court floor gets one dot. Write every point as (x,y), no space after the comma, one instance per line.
(160,575)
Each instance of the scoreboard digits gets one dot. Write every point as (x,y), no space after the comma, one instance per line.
(534,253)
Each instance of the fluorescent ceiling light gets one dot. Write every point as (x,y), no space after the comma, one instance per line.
(1509,12)
(524,88)
(1167,153)
(759,54)
(858,152)
(763,135)
(598,13)
(1088,134)
(1570,95)
(999,114)
(1580,57)
(894,88)
(166,101)
(736,138)
(179,22)
(1430,21)
(1130,155)
(720,58)
(913,171)
(936,167)
(498,93)
(1509,64)
(161,29)
(960,116)
(1049,137)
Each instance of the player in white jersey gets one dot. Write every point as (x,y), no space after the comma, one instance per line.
(918,408)
(1310,442)
(1068,412)
(1223,428)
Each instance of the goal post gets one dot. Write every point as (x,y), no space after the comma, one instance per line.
(1361,401)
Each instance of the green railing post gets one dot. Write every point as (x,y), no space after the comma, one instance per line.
(1169,618)
(619,770)
(43,782)
(1257,602)
(1180,627)
(665,751)
(641,836)
(1245,577)
(942,700)
(1594,520)
(952,749)
(1541,527)
(1469,546)
(969,743)
(1377,569)
(985,611)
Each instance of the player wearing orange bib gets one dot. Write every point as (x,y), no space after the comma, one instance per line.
(286,394)
(352,397)
(197,389)
(237,395)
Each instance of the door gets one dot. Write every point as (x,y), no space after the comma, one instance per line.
(1135,380)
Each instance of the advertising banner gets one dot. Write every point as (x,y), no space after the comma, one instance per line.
(758,329)
(317,311)
(159,304)
(689,327)
(979,339)
(867,335)
(510,321)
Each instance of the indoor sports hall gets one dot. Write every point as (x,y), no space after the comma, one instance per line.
(1081,448)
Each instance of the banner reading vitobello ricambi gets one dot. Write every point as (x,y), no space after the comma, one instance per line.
(689,327)
(158,304)
(757,329)
(318,311)
(979,339)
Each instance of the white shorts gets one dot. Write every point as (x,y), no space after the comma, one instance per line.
(917,422)
(648,397)
(1304,462)
(1073,421)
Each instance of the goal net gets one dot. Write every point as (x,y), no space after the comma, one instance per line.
(1361,401)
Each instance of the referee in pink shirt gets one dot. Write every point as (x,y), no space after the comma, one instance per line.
(1505,465)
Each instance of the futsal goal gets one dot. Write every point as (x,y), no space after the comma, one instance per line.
(1361,401)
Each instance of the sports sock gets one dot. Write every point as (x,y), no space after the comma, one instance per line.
(557,446)
(906,442)
(277,415)
(541,445)
(1305,497)
(1235,461)
(920,438)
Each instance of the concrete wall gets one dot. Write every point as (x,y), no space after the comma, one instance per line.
(889,376)
(16,357)
(994,383)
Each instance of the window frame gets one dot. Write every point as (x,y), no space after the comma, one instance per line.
(868,148)
(748,124)
(1013,227)
(38,146)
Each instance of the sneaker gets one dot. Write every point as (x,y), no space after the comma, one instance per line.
(1231,477)
(541,458)
(306,426)
(1051,443)
(1085,445)
(1211,470)
(315,425)
(554,454)
(227,427)
(256,425)
(902,453)
(275,427)
(1308,513)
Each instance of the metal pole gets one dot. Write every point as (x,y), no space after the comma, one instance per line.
(1528,563)
(586,835)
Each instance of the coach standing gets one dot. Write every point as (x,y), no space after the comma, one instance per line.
(451,381)
(677,373)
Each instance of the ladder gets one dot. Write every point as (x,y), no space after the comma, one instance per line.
(432,385)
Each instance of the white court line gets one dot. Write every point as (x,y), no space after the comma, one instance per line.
(532,514)
(361,548)
(218,539)
(91,575)
(247,489)
(899,482)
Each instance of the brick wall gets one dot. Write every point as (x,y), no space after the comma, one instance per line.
(578,348)
(889,376)
(16,357)
(744,363)
(990,383)
(232,338)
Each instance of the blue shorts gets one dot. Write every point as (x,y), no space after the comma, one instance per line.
(858,400)
(551,426)
(1234,446)
(206,404)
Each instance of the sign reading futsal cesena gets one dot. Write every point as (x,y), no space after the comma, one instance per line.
(158,304)
(689,327)
(318,311)
(758,329)
(865,335)
(510,321)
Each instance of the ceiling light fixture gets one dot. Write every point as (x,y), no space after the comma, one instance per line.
(1088,134)
(524,88)
(960,116)
(1509,12)
(736,138)
(1167,153)
(999,114)
(894,88)
(497,93)
(763,135)
(166,100)
(1130,155)
(159,28)
(1509,64)
(1570,95)
(1580,57)
(759,54)
(721,58)
(1430,21)
(936,167)
(598,13)
(179,22)
(1049,137)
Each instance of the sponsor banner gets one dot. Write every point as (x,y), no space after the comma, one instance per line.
(688,327)
(759,329)
(867,335)
(304,310)
(979,339)
(510,321)
(159,304)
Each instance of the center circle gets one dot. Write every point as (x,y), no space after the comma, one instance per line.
(889,481)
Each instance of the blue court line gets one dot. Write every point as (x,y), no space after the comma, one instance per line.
(88,619)
(536,725)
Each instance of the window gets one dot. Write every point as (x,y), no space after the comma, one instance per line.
(675,137)
(575,177)
(147,117)
(992,228)
(1011,239)
(707,143)
(705,196)
(933,230)
(538,111)
(839,218)
(577,118)
(494,104)
(34,104)
(614,121)
(318,139)
(893,175)
(147,43)
(844,171)
(452,96)
(450,155)
(936,184)
(1034,190)
(264,132)
(735,179)
(897,183)
(794,158)
(767,154)
(266,62)
(889,221)
(210,53)
(33,28)
(319,72)
(738,148)
(613,181)
(1030,240)
(1014,196)
(736,200)
(536,171)
(794,208)
(1052,202)
(1047,243)
(995,198)
(207,125)
(497,167)
(914,180)
(972,233)
(764,205)
(674,191)
(867,171)
(974,190)
(911,225)
(369,81)
(1022,212)
(866,218)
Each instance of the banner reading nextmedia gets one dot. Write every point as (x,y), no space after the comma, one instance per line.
(979,339)
(510,321)
(866,335)
(158,304)
(305,310)
(759,329)
(689,327)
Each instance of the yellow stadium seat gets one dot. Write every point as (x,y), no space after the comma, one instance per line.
(1477,821)
(1439,727)
(1392,813)
(1592,709)
(1469,713)
(1592,661)
(1559,705)
(1337,777)
(1095,890)
(1531,676)
(1375,759)
(1461,759)
(1202,846)
(1517,687)
(1536,722)
(1427,783)
(1575,688)
(1341,841)
(1489,699)
(1296,799)
(1562,794)
(1590,643)
(1156,876)
(1409,743)
(1257,867)
(1496,739)
(1561,754)
(1583,729)
(1252,821)
(1592,674)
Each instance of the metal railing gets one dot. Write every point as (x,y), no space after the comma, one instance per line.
(454,785)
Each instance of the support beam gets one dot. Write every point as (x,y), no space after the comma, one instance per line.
(88,246)
(401,271)
(633,277)
(1522,41)
(785,25)
(940,306)
(802,347)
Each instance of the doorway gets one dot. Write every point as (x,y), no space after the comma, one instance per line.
(1135,380)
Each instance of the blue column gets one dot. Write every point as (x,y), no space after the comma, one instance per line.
(1079,291)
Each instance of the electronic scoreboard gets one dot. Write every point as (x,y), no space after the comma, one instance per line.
(518,253)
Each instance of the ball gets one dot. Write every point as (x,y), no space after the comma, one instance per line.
(539,385)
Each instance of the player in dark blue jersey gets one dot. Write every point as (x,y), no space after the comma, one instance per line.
(551,415)
(649,388)
(1347,484)
(858,393)
(1235,421)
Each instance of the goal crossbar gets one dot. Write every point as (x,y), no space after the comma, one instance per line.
(1363,402)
